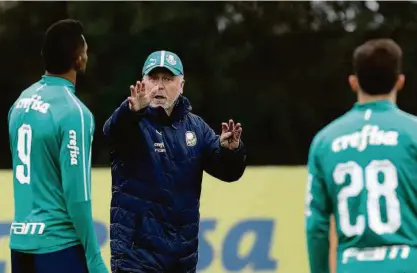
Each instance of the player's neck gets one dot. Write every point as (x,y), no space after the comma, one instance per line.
(70,75)
(366,98)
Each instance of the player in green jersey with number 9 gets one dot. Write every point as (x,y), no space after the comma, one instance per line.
(363,170)
(50,133)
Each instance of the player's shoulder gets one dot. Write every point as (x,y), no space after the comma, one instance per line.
(73,102)
(332,130)
(72,108)
(406,117)
(27,92)
(405,124)
(29,100)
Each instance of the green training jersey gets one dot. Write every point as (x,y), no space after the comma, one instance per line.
(51,132)
(363,170)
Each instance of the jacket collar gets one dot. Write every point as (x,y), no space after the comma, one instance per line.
(182,108)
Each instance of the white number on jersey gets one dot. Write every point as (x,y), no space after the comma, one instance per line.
(368,178)
(24,142)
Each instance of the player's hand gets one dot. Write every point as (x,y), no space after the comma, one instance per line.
(230,136)
(140,97)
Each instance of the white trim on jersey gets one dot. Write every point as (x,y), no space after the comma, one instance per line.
(91,147)
(82,142)
(40,87)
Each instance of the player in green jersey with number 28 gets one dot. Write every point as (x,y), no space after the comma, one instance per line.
(51,132)
(363,170)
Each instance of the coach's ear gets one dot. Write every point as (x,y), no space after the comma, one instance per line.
(400,82)
(353,82)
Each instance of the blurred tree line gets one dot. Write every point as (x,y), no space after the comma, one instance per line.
(280,68)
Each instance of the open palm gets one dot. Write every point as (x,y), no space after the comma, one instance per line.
(230,136)
(139,97)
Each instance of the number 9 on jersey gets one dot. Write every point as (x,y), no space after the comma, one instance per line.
(24,141)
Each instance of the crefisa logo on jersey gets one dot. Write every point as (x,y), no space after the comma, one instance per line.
(73,148)
(33,103)
(369,135)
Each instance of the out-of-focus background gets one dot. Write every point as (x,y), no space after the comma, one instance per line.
(279,68)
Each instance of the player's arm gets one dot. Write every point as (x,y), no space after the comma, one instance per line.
(333,245)
(318,211)
(75,168)
(8,122)
(222,163)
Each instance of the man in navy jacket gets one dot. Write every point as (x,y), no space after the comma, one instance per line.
(159,150)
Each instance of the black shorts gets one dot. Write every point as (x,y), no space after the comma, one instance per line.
(68,260)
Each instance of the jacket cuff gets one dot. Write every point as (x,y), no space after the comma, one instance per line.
(238,150)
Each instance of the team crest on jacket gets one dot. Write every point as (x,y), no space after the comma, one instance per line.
(190,138)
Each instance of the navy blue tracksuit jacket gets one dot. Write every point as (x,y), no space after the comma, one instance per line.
(157,168)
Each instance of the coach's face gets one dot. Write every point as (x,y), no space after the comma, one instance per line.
(169,87)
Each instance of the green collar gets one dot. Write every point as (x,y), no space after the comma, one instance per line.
(376,105)
(55,80)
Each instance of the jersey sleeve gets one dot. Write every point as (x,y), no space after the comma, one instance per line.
(77,129)
(317,213)
(75,161)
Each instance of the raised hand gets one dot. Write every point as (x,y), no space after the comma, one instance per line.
(139,97)
(230,136)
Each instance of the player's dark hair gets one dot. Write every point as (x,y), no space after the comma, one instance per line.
(377,64)
(62,42)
